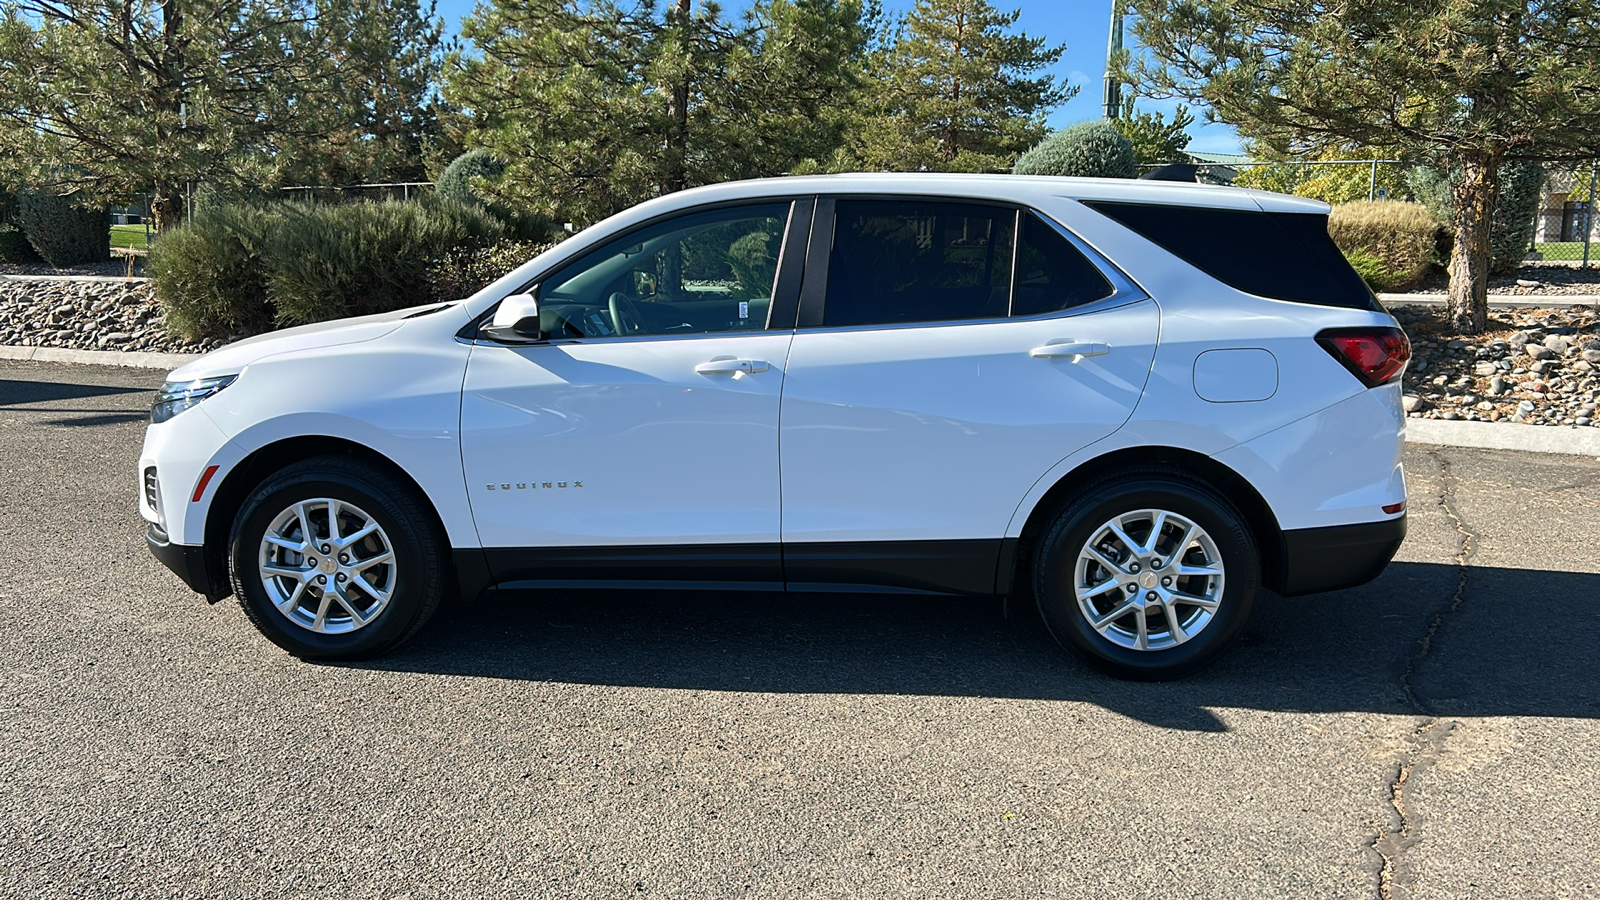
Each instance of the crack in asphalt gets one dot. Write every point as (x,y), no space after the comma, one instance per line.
(1399,833)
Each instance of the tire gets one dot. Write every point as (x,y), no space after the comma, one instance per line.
(1208,587)
(372,604)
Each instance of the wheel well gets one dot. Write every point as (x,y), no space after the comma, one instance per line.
(260,465)
(1258,515)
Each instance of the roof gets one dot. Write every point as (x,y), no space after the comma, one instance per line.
(1024,189)
(1218,159)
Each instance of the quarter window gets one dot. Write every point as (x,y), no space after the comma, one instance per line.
(900,261)
(1052,274)
(710,271)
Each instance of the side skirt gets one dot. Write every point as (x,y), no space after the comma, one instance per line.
(964,567)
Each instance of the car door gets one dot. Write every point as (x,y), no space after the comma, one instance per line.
(928,389)
(649,416)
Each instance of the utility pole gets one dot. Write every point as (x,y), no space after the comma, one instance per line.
(1113,96)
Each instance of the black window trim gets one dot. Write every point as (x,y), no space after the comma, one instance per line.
(781,312)
(813,290)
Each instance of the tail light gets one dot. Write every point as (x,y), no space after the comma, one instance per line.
(1374,355)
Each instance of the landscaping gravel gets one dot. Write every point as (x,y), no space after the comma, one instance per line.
(88,315)
(1545,279)
(1534,366)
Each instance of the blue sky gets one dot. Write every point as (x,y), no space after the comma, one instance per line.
(1082,26)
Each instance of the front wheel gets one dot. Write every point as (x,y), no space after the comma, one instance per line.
(334,559)
(1147,575)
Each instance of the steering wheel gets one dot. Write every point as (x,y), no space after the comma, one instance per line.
(625,317)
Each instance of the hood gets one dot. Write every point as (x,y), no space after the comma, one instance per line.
(231,359)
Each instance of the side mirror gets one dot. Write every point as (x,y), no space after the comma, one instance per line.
(516,321)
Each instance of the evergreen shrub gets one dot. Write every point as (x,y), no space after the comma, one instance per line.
(1093,149)
(241,269)
(14,246)
(1399,237)
(1511,230)
(64,230)
(209,272)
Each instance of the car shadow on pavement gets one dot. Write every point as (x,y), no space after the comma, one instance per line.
(17,392)
(1518,643)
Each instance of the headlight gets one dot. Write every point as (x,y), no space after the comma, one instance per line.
(177,396)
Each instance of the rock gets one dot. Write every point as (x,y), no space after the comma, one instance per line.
(1485,369)
(1556,345)
(1523,282)
(1538,351)
(1590,356)
(1518,340)
(1525,406)
(1485,406)
(1456,345)
(1581,420)
(1497,385)
(1413,403)
(1451,416)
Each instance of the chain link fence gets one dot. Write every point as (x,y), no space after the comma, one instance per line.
(359,193)
(1566,228)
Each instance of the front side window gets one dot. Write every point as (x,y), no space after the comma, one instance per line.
(703,272)
(901,261)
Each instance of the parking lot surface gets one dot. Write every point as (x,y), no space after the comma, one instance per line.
(1430,735)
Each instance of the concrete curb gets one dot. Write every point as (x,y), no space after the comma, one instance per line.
(137,279)
(98,357)
(1583,441)
(1549,301)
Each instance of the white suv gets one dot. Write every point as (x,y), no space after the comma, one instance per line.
(1136,402)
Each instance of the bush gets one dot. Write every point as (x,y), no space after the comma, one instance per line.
(1094,149)
(334,261)
(1399,237)
(209,272)
(64,231)
(1370,268)
(463,272)
(236,269)
(1512,227)
(455,182)
(14,246)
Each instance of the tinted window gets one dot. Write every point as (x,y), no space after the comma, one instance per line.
(1053,275)
(899,261)
(1286,256)
(701,272)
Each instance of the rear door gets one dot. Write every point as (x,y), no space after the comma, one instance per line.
(949,354)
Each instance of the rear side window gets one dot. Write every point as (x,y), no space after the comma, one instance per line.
(897,261)
(1285,256)
(1053,275)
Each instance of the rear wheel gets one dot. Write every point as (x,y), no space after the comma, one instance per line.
(1147,575)
(334,559)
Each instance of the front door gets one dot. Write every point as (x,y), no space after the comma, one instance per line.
(650,417)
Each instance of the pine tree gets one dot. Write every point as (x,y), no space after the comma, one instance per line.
(1468,84)
(596,106)
(955,90)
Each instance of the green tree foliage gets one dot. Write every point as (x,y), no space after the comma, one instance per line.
(597,105)
(954,90)
(1155,140)
(208,92)
(1511,230)
(1330,182)
(1467,84)
(65,228)
(1094,149)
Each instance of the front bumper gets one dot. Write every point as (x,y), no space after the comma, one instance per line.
(187,562)
(1338,556)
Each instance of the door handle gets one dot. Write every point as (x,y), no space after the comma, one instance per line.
(731,364)
(1068,347)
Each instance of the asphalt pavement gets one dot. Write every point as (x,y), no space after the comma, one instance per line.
(1430,735)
